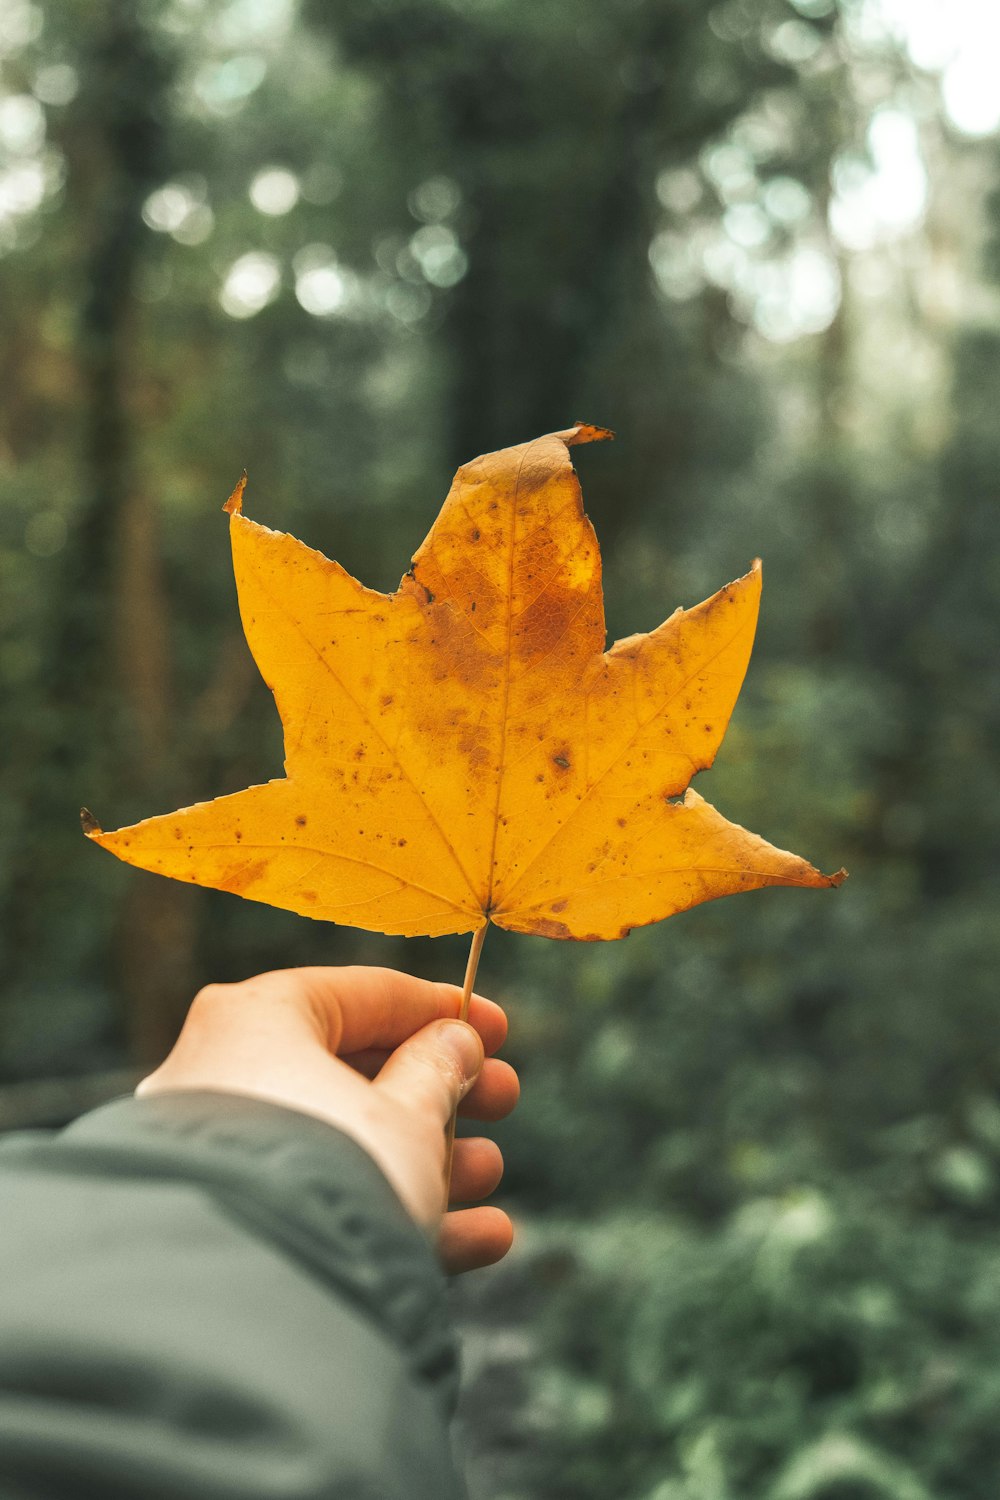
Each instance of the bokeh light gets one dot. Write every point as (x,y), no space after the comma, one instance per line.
(274,191)
(960,39)
(883,198)
(251,283)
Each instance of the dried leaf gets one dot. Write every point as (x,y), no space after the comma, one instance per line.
(465,749)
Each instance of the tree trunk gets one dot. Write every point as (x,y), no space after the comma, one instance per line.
(112,666)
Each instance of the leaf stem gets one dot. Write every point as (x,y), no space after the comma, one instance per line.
(475,949)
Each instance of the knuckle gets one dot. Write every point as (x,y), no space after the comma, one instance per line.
(208,996)
(209,1001)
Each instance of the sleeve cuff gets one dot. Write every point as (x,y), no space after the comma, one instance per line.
(291,1179)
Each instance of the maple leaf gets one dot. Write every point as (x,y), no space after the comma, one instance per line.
(465,750)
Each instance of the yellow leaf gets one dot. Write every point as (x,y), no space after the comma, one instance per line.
(465,749)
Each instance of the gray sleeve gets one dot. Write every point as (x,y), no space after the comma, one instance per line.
(209,1297)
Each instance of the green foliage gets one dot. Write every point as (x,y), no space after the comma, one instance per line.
(812,1347)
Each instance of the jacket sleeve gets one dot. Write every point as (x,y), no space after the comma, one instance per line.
(207,1297)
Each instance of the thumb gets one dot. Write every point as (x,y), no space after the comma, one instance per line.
(433,1069)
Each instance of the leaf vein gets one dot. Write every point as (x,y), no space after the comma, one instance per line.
(560,895)
(368,718)
(700,669)
(367,864)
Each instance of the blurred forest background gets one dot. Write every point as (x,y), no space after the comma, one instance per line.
(347,246)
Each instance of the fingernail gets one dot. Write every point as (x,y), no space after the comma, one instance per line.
(465,1045)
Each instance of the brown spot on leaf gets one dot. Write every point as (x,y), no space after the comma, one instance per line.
(238,877)
(301,820)
(547,928)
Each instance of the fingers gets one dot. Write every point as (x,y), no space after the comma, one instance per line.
(486,1016)
(378,1008)
(476,1170)
(382,1007)
(492,1097)
(489,1020)
(494,1094)
(430,1071)
(474,1237)
(353,1010)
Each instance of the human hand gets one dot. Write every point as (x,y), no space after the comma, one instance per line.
(379,1055)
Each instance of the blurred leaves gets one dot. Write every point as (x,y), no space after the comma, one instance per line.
(810,1346)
